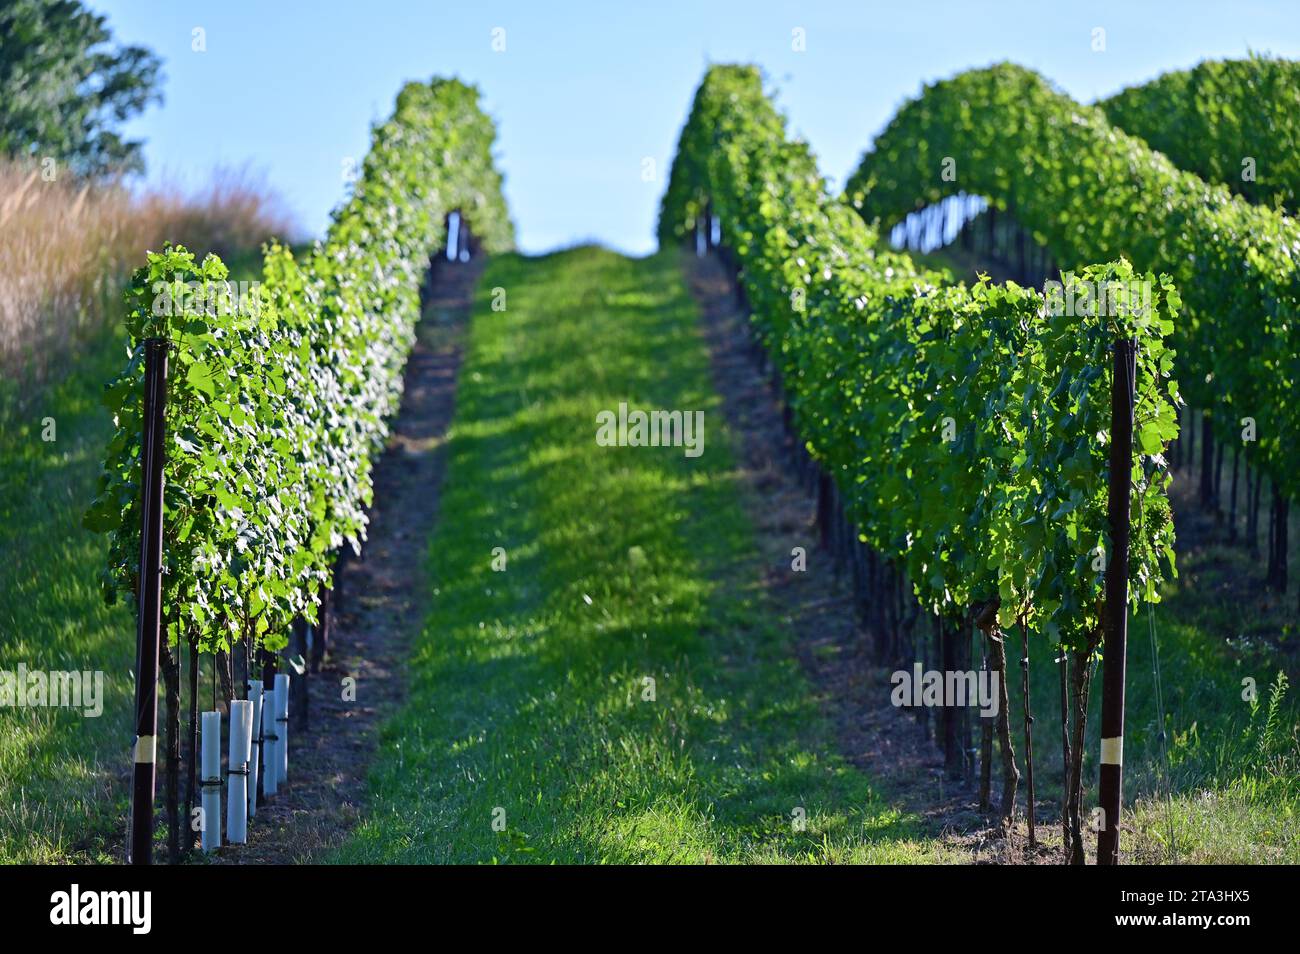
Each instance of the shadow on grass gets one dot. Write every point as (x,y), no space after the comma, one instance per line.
(619,692)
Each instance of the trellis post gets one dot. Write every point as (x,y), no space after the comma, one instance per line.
(149,599)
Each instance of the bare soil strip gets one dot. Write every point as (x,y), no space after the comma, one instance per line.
(381,601)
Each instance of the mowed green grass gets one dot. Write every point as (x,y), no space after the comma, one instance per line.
(1229,790)
(57,800)
(529,701)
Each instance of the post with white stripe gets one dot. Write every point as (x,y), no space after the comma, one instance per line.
(149,601)
(1115,622)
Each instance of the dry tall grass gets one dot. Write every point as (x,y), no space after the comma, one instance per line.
(66,249)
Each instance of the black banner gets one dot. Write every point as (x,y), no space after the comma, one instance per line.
(194,902)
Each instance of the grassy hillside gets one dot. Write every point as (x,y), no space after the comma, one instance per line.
(529,688)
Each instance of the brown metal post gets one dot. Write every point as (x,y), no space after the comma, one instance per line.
(1029,732)
(1115,622)
(149,599)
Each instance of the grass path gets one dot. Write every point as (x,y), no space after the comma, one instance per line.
(529,691)
(58,797)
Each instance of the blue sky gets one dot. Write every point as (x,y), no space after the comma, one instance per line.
(584,92)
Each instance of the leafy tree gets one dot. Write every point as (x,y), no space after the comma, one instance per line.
(64,86)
